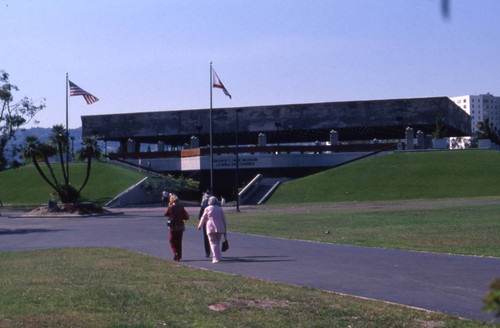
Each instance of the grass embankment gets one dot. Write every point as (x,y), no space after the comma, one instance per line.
(107,287)
(456,229)
(26,187)
(400,176)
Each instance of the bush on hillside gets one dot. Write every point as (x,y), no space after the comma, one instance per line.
(492,300)
(183,187)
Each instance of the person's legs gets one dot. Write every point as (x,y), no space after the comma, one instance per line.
(214,245)
(176,244)
(172,244)
(205,241)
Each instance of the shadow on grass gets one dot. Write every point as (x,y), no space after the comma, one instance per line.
(97,201)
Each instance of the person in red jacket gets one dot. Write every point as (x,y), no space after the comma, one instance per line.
(178,214)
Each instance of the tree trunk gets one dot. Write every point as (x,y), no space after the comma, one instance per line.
(46,159)
(3,144)
(39,169)
(89,164)
(61,159)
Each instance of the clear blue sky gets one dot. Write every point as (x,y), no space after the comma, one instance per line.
(150,55)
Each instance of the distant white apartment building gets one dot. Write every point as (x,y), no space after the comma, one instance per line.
(480,108)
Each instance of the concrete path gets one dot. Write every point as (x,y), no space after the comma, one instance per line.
(447,283)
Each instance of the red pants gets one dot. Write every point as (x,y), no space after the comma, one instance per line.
(176,244)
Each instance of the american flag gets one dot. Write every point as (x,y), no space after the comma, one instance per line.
(218,84)
(77,91)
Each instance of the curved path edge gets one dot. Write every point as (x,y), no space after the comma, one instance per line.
(451,284)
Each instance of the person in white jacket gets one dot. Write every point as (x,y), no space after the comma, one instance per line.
(215,221)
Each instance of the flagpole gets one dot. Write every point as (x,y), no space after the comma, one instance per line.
(67,133)
(237,162)
(211,142)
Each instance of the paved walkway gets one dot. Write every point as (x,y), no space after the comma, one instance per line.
(447,283)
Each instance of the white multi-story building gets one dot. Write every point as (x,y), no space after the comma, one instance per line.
(480,108)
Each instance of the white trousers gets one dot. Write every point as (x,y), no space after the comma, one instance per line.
(215,239)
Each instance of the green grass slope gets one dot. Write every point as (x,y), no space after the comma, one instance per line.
(400,176)
(26,187)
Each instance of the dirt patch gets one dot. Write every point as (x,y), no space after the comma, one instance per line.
(263,304)
(76,209)
(429,324)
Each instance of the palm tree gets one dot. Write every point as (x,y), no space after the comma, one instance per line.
(39,151)
(59,140)
(34,150)
(58,143)
(89,150)
(47,150)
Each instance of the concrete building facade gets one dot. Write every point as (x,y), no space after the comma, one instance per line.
(294,123)
(279,141)
(480,108)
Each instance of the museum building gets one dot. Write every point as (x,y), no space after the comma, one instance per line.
(278,141)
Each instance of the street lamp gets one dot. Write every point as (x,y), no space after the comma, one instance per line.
(237,162)
(277,125)
(73,147)
(198,128)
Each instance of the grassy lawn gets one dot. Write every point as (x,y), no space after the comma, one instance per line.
(400,176)
(111,287)
(457,229)
(26,187)
(356,204)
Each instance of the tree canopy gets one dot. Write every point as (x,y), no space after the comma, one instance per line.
(13,115)
(485,131)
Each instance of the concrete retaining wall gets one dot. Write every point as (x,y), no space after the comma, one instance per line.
(137,194)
